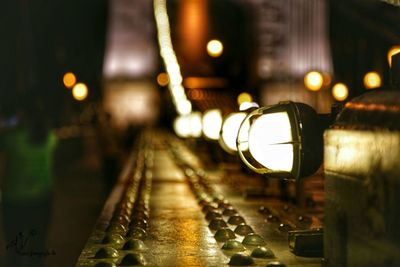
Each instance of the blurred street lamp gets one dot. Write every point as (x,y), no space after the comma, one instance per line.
(215,48)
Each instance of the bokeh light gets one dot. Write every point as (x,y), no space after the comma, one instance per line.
(215,48)
(340,91)
(80,91)
(162,79)
(212,123)
(69,80)
(372,80)
(313,80)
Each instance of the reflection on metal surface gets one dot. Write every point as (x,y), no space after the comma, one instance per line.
(392,51)
(362,170)
(352,157)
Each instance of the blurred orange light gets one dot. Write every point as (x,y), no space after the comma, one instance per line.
(215,48)
(162,79)
(204,82)
(80,91)
(340,91)
(69,80)
(392,51)
(372,80)
(327,79)
(313,80)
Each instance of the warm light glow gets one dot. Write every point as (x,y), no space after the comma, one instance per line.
(244,97)
(196,124)
(184,107)
(215,48)
(212,122)
(162,79)
(69,80)
(188,125)
(182,126)
(313,80)
(204,82)
(246,105)
(340,91)
(269,141)
(80,91)
(392,51)
(372,80)
(327,79)
(182,104)
(230,129)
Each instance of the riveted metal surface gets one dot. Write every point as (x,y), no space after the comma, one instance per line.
(362,170)
(176,222)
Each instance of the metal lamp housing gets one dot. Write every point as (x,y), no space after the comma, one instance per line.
(306,140)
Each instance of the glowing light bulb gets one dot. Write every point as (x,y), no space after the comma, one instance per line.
(269,141)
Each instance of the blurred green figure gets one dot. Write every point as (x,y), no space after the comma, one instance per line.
(26,186)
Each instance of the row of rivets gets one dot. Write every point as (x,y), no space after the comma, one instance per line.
(127,227)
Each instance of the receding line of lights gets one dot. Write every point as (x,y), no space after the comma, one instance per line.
(182,104)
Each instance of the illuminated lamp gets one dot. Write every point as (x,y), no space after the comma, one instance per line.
(283,140)
(212,123)
(188,125)
(230,130)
